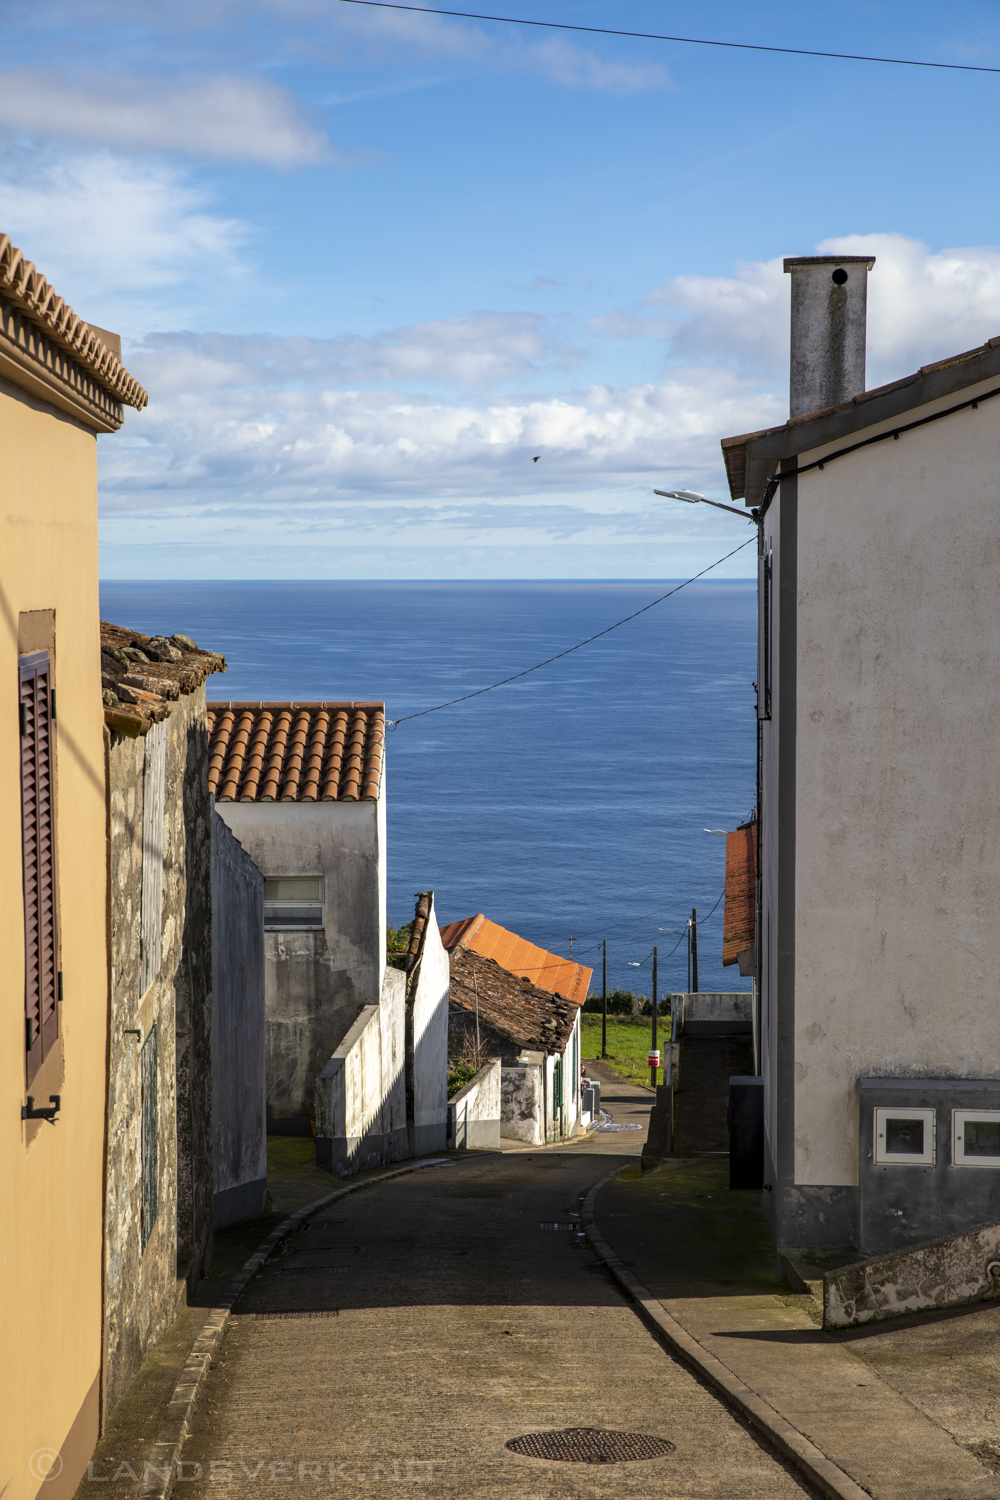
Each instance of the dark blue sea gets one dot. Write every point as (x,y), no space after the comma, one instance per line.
(571,803)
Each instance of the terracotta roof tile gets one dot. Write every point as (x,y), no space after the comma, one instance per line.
(296,752)
(26,288)
(142,675)
(531,1016)
(559,976)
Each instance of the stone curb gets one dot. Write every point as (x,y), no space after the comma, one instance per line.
(162,1464)
(821,1471)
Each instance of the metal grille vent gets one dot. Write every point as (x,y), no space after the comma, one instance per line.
(589,1445)
(270,1317)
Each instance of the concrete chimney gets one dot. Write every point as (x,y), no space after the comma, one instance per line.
(829,316)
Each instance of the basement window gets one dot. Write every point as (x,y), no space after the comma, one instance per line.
(904,1137)
(293,903)
(975,1135)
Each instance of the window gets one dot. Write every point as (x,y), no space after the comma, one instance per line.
(154,776)
(293,902)
(904,1137)
(150,1125)
(975,1135)
(42,980)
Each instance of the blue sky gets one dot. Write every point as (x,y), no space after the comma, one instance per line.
(370,263)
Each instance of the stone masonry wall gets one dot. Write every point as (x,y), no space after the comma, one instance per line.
(142,1291)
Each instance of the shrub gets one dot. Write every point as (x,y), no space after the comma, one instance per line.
(626,1003)
(397,943)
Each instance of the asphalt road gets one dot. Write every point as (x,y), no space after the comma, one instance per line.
(412,1330)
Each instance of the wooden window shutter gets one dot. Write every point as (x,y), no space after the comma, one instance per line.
(152,853)
(41,937)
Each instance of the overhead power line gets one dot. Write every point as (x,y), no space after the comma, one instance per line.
(392,723)
(687,41)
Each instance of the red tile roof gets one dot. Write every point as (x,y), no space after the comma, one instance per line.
(560,976)
(142,675)
(296,752)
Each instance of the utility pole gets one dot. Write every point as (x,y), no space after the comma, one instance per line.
(694,949)
(571,942)
(653,1046)
(604,998)
(689,954)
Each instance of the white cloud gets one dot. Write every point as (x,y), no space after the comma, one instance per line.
(295,450)
(474,352)
(232,119)
(922,305)
(109,233)
(390,34)
(278,437)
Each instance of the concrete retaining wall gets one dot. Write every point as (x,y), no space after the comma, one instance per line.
(474,1112)
(939,1273)
(239,1084)
(714,1013)
(522,1103)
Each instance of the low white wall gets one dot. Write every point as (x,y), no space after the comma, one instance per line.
(429,1063)
(361,1093)
(522,1103)
(474,1112)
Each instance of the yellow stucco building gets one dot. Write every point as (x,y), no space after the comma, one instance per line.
(61,383)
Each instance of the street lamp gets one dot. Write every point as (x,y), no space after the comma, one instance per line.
(693,498)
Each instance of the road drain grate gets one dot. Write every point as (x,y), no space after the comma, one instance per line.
(326,1312)
(559,1226)
(589,1445)
(313,1270)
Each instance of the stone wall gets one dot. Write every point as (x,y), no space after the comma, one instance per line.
(239,1084)
(142,1289)
(522,1103)
(187,892)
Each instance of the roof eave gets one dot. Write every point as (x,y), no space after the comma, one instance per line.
(752,458)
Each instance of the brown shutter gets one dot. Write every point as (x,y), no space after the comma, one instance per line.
(739,927)
(41,944)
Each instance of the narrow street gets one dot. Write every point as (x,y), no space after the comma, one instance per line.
(411,1331)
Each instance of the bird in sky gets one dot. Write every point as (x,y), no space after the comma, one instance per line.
(535,460)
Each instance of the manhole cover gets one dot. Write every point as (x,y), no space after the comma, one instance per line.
(589,1445)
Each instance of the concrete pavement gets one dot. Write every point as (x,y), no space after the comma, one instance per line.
(409,1332)
(907,1411)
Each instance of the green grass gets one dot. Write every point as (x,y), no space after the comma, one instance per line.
(629,1040)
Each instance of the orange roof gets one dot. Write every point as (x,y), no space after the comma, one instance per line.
(560,976)
(295,752)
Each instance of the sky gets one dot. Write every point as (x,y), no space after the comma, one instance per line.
(371,264)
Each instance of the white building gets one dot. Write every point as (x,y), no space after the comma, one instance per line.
(517,1002)
(880,798)
(302,787)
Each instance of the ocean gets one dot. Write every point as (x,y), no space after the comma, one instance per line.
(569,804)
